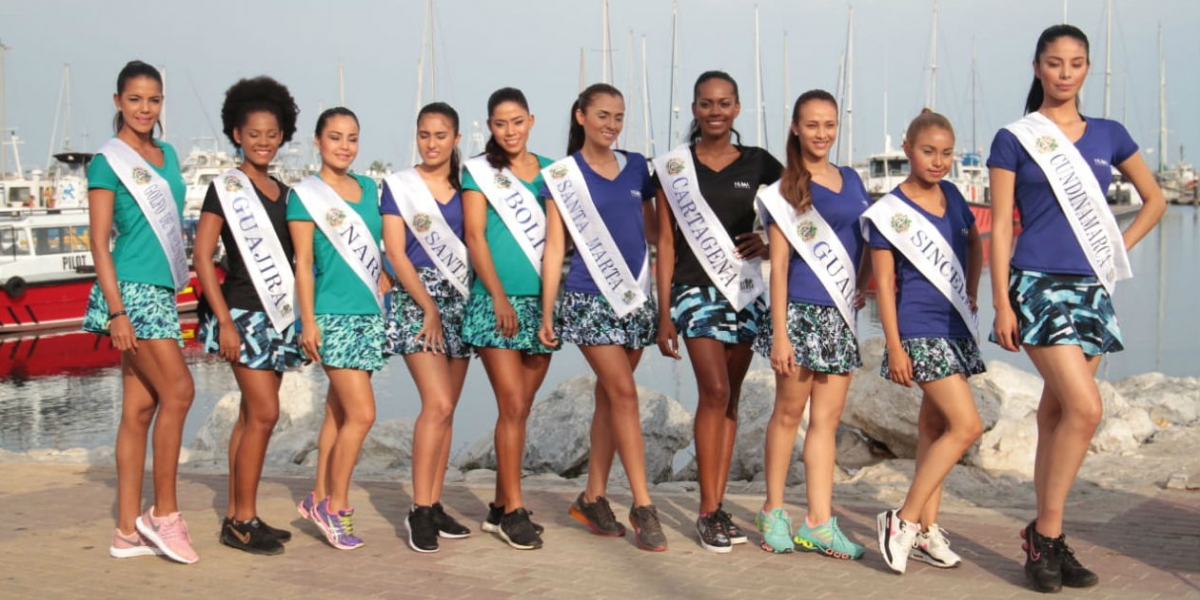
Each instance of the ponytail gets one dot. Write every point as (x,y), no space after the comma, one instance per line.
(131,70)
(445,110)
(497,157)
(575,134)
(795,185)
(1036,93)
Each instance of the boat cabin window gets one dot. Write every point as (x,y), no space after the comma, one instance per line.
(894,167)
(13,242)
(61,240)
(19,196)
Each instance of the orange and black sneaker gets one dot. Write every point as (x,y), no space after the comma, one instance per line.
(597,515)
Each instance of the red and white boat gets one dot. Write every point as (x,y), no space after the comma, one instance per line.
(46,270)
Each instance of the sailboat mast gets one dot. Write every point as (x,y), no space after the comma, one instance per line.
(341,83)
(432,62)
(3,114)
(787,92)
(931,101)
(1162,103)
(606,50)
(54,128)
(627,133)
(974,91)
(1108,59)
(647,126)
(582,70)
(162,113)
(850,89)
(673,124)
(758,101)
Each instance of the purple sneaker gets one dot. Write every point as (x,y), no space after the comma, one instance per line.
(307,506)
(338,527)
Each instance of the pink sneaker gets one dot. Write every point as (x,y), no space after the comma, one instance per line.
(169,534)
(130,546)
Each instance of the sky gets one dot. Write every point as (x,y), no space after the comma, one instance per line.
(536,45)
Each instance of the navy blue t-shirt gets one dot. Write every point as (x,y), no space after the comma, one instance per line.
(922,310)
(452,211)
(842,211)
(1047,243)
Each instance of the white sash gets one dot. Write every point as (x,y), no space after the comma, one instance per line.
(515,204)
(593,242)
(1079,194)
(740,281)
(262,253)
(153,195)
(923,245)
(818,244)
(345,229)
(424,217)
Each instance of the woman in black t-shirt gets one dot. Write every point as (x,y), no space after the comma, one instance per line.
(718,337)
(259,115)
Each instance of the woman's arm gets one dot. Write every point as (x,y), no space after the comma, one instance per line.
(782,355)
(668,338)
(884,267)
(302,245)
(395,242)
(552,264)
(207,234)
(100,223)
(1003,185)
(974,264)
(475,236)
(1154,205)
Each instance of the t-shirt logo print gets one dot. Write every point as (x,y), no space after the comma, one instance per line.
(807,230)
(901,222)
(675,166)
(1046,144)
(232,184)
(140,176)
(422,222)
(559,171)
(502,182)
(335,217)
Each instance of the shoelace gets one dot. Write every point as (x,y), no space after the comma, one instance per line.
(607,518)
(345,523)
(175,530)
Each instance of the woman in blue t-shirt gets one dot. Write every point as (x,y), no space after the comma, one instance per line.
(341,324)
(929,342)
(259,115)
(424,323)
(621,189)
(1048,298)
(812,348)
(133,301)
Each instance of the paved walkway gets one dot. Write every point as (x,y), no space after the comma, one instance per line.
(60,520)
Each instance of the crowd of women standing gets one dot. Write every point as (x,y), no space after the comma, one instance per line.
(474,262)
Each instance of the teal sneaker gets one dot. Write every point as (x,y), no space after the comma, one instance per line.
(827,539)
(776,527)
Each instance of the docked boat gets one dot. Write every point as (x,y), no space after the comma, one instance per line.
(46,270)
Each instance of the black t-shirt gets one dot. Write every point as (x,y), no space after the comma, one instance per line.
(730,192)
(238,288)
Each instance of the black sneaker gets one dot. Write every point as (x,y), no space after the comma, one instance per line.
(517,530)
(1043,560)
(1074,574)
(597,516)
(492,523)
(711,530)
(422,531)
(647,530)
(282,535)
(250,536)
(732,531)
(447,526)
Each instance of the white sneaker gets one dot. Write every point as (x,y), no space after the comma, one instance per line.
(933,547)
(896,537)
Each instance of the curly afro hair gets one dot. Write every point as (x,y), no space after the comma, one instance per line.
(259,94)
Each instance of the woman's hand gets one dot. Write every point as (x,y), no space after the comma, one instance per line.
(668,339)
(860,299)
(751,245)
(310,341)
(546,334)
(900,366)
(783,356)
(506,317)
(120,330)
(431,336)
(1005,328)
(231,342)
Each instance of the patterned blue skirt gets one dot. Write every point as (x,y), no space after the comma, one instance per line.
(703,311)
(821,340)
(405,317)
(151,310)
(938,358)
(263,346)
(1057,309)
(351,341)
(479,324)
(589,320)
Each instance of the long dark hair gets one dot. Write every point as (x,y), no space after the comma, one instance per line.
(329,113)
(445,110)
(575,136)
(1052,33)
(496,156)
(259,94)
(131,70)
(694,129)
(795,185)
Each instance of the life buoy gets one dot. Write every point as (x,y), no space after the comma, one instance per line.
(15,287)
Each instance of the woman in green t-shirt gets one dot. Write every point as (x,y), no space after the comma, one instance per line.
(504,309)
(341,322)
(133,301)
